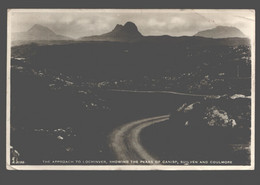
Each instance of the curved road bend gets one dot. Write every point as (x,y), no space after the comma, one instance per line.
(125,142)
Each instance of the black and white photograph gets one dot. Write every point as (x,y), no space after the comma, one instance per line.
(130,89)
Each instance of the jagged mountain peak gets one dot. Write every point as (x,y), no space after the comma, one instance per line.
(118,27)
(127,27)
(126,32)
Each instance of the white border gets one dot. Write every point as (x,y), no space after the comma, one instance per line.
(253,71)
(124,167)
(8,91)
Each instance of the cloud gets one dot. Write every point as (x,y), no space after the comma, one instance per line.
(177,21)
(156,23)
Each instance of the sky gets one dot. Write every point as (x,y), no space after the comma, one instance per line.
(77,23)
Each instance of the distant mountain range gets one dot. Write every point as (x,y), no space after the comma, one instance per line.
(38,32)
(129,33)
(221,32)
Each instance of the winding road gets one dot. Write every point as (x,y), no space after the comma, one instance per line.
(125,140)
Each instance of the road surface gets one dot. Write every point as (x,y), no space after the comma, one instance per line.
(125,140)
(168,92)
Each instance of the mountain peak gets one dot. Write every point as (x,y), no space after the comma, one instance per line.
(221,32)
(226,28)
(126,32)
(38,32)
(129,29)
(39,29)
(118,27)
(220,26)
(37,26)
(130,26)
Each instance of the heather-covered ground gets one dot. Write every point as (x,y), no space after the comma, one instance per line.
(64,103)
